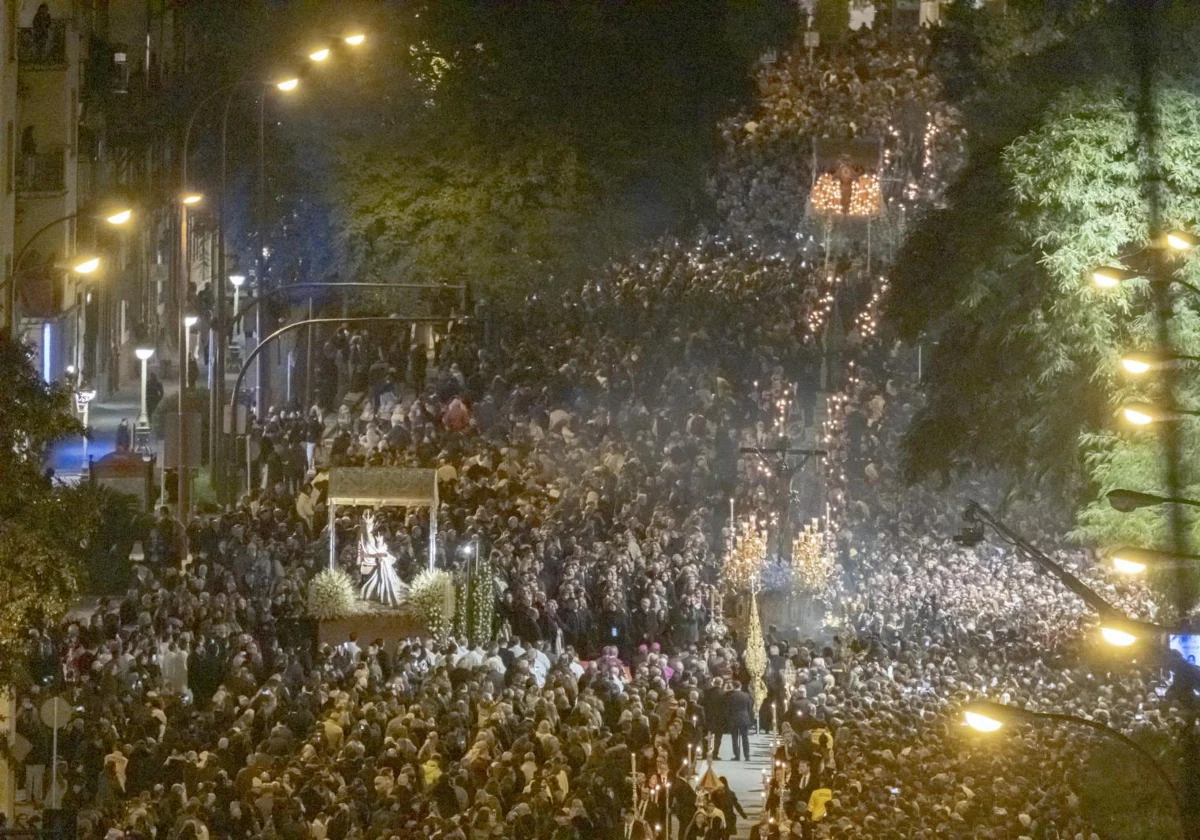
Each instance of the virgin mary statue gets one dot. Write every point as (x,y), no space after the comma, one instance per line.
(378,565)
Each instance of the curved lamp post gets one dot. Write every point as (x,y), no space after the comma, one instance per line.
(287,328)
(115,217)
(987,716)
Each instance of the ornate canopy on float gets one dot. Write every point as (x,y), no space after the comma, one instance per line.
(383,487)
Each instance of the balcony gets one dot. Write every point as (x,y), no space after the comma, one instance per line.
(42,172)
(43,47)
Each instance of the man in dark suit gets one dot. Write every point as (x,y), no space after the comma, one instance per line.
(741,715)
(715,712)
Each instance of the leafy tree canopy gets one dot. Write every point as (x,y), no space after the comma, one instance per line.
(43,531)
(1024,376)
(516,143)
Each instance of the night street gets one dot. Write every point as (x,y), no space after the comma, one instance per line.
(593,420)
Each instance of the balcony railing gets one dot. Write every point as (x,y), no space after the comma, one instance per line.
(39,46)
(42,171)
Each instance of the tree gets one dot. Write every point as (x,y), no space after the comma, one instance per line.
(1024,377)
(516,144)
(43,532)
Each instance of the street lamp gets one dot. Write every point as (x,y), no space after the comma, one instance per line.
(83,398)
(289,84)
(1135,561)
(238,280)
(86,265)
(1143,414)
(355,39)
(143,353)
(1111,276)
(1182,240)
(1127,501)
(1117,636)
(319,55)
(1122,632)
(1139,363)
(988,717)
(187,201)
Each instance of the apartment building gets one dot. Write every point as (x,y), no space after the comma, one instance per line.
(51,301)
(82,87)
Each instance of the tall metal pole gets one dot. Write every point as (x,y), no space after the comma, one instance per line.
(260,369)
(308,359)
(216,401)
(1145,49)
(181,467)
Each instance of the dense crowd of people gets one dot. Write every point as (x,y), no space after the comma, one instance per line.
(590,448)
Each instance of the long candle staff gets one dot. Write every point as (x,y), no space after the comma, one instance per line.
(633,778)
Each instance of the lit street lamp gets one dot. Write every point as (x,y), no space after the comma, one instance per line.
(1111,276)
(1182,240)
(187,200)
(1144,414)
(989,717)
(142,427)
(86,265)
(1136,561)
(1137,364)
(83,398)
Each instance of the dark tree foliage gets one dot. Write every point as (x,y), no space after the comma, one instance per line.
(43,531)
(515,144)
(1024,376)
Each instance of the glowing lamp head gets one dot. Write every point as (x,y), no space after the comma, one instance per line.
(319,55)
(288,85)
(190,321)
(1181,240)
(1117,637)
(1140,414)
(120,217)
(191,199)
(356,39)
(1127,566)
(1136,365)
(143,353)
(237,280)
(87,266)
(1110,277)
(981,722)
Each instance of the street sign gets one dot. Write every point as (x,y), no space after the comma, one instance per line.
(56,712)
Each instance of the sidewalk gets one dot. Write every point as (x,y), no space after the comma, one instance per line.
(66,457)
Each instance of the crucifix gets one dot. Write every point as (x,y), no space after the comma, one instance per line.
(778,459)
